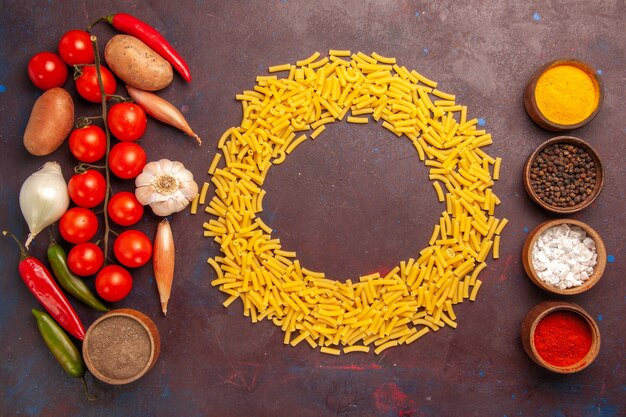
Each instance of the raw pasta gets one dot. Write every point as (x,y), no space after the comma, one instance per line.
(415,297)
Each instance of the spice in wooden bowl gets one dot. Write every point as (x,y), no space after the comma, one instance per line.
(563,175)
(561,337)
(563,94)
(564,256)
(121,346)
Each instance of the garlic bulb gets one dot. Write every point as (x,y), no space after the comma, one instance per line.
(166,186)
(43,198)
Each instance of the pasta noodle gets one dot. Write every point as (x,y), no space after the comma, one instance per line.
(317,131)
(383,59)
(205,188)
(496,247)
(295,143)
(278,68)
(496,169)
(439,191)
(194,204)
(472,296)
(500,227)
(356,348)
(214,162)
(384,346)
(352,119)
(308,60)
(397,307)
(330,351)
(338,52)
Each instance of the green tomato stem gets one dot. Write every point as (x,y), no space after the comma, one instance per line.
(107,228)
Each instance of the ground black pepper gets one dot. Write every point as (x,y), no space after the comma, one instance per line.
(119,347)
(563,175)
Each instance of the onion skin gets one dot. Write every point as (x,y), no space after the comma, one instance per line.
(163,262)
(43,198)
(162,110)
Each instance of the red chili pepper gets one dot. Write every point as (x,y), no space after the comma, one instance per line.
(150,36)
(40,282)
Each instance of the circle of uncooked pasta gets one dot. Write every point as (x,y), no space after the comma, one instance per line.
(415,297)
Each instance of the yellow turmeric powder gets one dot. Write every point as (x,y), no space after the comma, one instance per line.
(566,94)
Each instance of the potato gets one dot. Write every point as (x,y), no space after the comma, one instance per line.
(51,120)
(137,64)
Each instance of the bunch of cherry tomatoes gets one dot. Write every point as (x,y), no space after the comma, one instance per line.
(87,190)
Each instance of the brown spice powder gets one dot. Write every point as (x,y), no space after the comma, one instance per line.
(119,347)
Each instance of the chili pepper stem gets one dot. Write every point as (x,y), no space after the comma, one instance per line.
(107,228)
(108,19)
(82,378)
(23,252)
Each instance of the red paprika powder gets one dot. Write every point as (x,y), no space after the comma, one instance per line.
(562,338)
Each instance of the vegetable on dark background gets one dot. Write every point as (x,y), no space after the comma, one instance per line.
(41,284)
(163,262)
(150,36)
(50,122)
(162,110)
(43,198)
(137,64)
(62,347)
(70,282)
(46,70)
(78,225)
(87,84)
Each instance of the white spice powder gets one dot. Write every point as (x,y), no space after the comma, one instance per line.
(564,256)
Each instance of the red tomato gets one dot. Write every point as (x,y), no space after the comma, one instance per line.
(88,144)
(127,159)
(87,189)
(47,70)
(124,209)
(132,248)
(127,121)
(87,84)
(85,259)
(78,225)
(75,48)
(113,283)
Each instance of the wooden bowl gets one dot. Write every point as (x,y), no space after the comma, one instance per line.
(598,270)
(121,346)
(539,312)
(590,198)
(530,101)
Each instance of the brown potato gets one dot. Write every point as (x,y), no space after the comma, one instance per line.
(51,120)
(137,64)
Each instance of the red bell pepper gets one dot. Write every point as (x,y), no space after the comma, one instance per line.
(150,36)
(40,282)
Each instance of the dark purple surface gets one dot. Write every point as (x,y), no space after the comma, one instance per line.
(355,201)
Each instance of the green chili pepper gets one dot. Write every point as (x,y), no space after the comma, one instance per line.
(60,345)
(70,282)
(62,348)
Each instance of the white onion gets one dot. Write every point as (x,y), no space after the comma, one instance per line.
(43,198)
